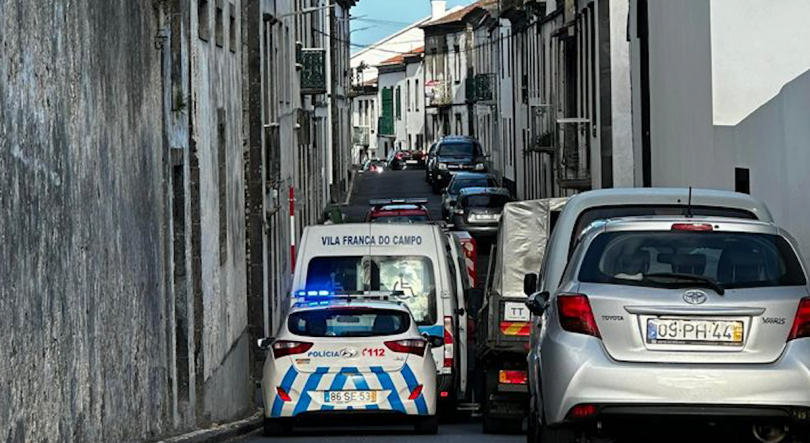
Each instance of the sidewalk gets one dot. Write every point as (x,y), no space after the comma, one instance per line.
(221,433)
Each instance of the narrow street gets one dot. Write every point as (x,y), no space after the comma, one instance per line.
(450,433)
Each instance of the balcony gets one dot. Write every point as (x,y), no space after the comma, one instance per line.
(439,93)
(542,125)
(573,159)
(361,135)
(313,71)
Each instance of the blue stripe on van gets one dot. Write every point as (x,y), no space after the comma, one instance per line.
(435,330)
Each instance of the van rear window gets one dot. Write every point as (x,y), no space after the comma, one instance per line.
(348,322)
(413,275)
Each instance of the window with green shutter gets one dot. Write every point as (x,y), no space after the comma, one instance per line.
(385,125)
(399,103)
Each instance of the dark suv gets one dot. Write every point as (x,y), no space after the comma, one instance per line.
(455,154)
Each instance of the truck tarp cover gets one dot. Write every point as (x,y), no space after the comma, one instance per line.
(522,235)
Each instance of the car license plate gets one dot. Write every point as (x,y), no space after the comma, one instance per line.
(349,397)
(693,331)
(411,162)
(488,217)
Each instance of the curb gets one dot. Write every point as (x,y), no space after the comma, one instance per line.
(221,433)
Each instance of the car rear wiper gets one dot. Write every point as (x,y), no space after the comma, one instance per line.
(694,278)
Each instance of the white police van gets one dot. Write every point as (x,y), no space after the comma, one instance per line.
(417,261)
(348,354)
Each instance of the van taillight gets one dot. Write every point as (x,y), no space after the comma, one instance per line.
(448,342)
(576,314)
(801,324)
(283,348)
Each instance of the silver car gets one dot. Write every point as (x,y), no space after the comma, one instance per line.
(685,319)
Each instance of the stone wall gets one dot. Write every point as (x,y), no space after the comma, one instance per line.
(83,312)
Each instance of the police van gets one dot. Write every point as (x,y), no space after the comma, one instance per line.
(416,262)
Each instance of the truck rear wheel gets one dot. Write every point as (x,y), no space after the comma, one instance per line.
(491,424)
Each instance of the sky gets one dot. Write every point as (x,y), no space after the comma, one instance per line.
(375,19)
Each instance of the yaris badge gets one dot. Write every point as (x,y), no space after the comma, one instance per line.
(695,297)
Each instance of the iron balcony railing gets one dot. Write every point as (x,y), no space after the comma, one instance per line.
(573,159)
(313,71)
(361,135)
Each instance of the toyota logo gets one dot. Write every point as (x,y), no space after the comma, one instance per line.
(695,297)
(348,353)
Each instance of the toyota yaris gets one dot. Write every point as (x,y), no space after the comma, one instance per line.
(684,320)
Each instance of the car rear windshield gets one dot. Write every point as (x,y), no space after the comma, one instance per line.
(606,212)
(459,149)
(348,322)
(485,201)
(668,259)
(458,185)
(400,219)
(413,275)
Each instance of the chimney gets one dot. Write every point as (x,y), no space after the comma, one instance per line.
(438,9)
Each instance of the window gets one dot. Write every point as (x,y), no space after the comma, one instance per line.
(348,322)
(457,56)
(591,215)
(219,24)
(399,103)
(484,201)
(666,259)
(416,96)
(742,180)
(459,149)
(204,19)
(222,185)
(413,275)
(232,28)
(408,94)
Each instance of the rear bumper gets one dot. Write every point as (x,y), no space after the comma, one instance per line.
(307,391)
(576,370)
(477,230)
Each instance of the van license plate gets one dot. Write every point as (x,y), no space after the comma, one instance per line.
(349,397)
(694,332)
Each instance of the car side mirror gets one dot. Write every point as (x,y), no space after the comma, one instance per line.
(529,284)
(538,302)
(265,343)
(434,340)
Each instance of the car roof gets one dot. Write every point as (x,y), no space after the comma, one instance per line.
(488,191)
(472,175)
(318,304)
(666,196)
(457,138)
(399,207)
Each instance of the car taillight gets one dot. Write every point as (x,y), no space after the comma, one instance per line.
(283,348)
(448,342)
(576,314)
(411,346)
(513,377)
(582,411)
(801,324)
